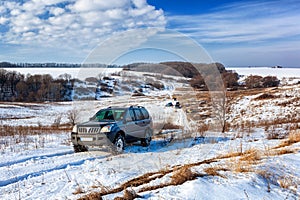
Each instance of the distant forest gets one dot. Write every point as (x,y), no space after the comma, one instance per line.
(15,86)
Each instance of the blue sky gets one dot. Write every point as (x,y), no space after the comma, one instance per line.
(236,33)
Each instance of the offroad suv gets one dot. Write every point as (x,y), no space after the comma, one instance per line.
(113,125)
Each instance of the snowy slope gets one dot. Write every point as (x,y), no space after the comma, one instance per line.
(52,170)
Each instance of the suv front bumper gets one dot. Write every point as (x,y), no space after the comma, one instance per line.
(99,139)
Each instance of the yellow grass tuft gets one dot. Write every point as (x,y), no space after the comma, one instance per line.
(182,175)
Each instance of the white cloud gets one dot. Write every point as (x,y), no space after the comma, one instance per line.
(3,20)
(57,11)
(140,3)
(96,5)
(73,24)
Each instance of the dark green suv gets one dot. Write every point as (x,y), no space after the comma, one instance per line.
(114,125)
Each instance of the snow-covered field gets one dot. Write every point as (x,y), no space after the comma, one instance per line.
(80,73)
(267,71)
(239,164)
(286,75)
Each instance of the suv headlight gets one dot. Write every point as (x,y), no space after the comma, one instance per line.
(74,130)
(106,129)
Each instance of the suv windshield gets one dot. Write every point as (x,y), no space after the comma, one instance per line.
(109,114)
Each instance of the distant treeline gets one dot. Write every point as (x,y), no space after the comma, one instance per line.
(15,86)
(202,73)
(55,65)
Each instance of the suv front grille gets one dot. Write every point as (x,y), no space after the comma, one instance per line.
(88,130)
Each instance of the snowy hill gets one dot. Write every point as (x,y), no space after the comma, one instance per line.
(258,156)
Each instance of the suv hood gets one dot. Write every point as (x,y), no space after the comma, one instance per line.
(94,123)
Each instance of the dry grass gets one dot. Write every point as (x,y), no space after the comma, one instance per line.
(92,196)
(281,152)
(266,96)
(211,171)
(294,137)
(294,101)
(128,195)
(239,166)
(170,125)
(182,175)
(251,156)
(230,154)
(214,171)
(7,130)
(285,181)
(288,182)
(239,162)
(78,190)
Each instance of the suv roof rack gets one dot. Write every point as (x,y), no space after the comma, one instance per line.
(136,106)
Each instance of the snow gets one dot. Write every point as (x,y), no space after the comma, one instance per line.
(51,169)
(286,76)
(267,71)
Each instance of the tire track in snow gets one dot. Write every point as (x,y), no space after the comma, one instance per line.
(40,157)
(62,166)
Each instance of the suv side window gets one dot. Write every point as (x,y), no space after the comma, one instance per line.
(138,114)
(131,115)
(145,113)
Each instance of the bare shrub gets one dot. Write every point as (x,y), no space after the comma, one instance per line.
(73,116)
(288,182)
(202,129)
(273,134)
(57,121)
(253,81)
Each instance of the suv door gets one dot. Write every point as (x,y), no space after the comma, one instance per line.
(141,122)
(146,115)
(131,128)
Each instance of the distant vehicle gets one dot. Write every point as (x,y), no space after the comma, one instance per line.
(169,104)
(177,105)
(114,125)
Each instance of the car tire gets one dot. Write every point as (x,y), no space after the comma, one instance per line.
(146,141)
(119,144)
(79,148)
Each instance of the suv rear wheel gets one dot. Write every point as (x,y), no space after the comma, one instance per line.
(146,141)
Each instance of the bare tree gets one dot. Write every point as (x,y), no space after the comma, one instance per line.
(222,103)
(73,116)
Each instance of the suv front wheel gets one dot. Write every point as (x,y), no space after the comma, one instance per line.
(120,143)
(79,148)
